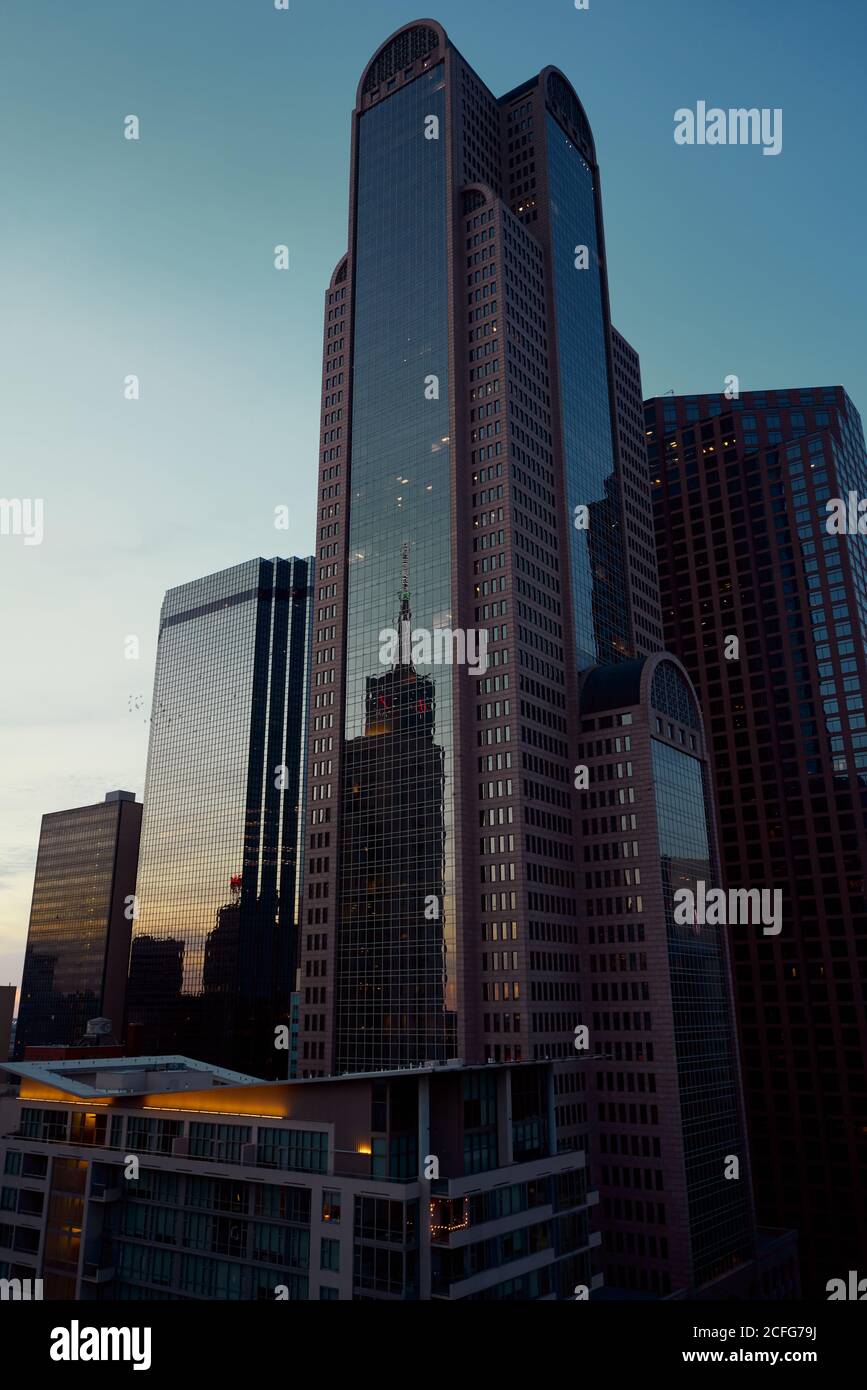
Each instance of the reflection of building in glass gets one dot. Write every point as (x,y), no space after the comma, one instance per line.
(80,921)
(213,949)
(740,490)
(156,967)
(392,966)
(223,945)
(468,408)
(475,401)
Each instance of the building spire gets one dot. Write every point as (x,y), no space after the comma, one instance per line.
(404,622)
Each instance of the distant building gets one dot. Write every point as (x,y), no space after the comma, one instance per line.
(214,943)
(7,1011)
(437,1183)
(75,964)
(741,491)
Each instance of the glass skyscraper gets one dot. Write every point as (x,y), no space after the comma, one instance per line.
(214,941)
(469,418)
(482,474)
(80,920)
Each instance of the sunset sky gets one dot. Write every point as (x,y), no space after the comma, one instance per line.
(156,258)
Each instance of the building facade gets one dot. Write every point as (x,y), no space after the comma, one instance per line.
(439,1184)
(483,472)
(77,950)
(669,1143)
(213,953)
(741,494)
(472,428)
(7,1014)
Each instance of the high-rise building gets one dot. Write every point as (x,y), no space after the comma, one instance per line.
(471,430)
(486,600)
(213,952)
(767,609)
(7,1013)
(656,992)
(75,962)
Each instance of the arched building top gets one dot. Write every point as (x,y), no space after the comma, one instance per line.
(671,693)
(475,195)
(658,681)
(424,38)
(562,100)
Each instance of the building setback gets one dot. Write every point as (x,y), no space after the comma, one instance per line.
(80,920)
(470,409)
(213,951)
(741,491)
(438,1184)
(483,470)
(640,547)
(657,1002)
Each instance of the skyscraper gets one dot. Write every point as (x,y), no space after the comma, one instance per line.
(482,480)
(470,438)
(668,1129)
(741,490)
(80,919)
(214,941)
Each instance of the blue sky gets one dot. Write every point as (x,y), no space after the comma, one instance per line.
(156,258)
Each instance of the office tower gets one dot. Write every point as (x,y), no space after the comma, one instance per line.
(741,491)
(468,416)
(78,939)
(289,1191)
(482,478)
(656,997)
(213,950)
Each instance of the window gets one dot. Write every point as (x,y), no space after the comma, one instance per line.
(44,1124)
(222,1143)
(331,1207)
(303,1149)
(329,1255)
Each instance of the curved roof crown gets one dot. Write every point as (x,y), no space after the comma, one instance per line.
(562,99)
(417,40)
(612,687)
(659,680)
